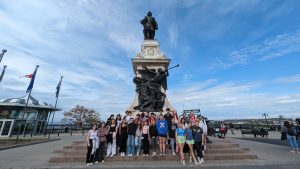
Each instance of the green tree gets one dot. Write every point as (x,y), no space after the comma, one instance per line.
(81,114)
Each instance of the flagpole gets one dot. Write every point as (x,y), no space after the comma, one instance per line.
(25,109)
(2,54)
(54,108)
(2,74)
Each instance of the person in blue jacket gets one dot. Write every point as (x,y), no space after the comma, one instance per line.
(162,131)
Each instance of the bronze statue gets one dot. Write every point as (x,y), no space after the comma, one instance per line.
(150,26)
(151,98)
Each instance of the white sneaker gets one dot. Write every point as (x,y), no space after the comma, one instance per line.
(91,164)
(96,162)
(174,154)
(111,156)
(196,163)
(164,154)
(129,155)
(102,161)
(292,151)
(201,161)
(183,162)
(87,164)
(191,160)
(161,154)
(147,155)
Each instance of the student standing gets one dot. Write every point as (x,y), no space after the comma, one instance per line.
(145,138)
(153,135)
(131,129)
(92,145)
(198,137)
(180,140)
(190,142)
(123,137)
(138,137)
(162,130)
(172,136)
(102,133)
(111,145)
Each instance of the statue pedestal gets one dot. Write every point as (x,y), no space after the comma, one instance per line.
(150,57)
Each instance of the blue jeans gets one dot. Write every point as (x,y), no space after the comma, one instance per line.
(130,144)
(292,141)
(172,142)
(137,143)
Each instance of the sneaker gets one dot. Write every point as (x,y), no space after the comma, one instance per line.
(138,154)
(129,155)
(183,162)
(292,151)
(87,164)
(174,153)
(102,161)
(161,154)
(96,162)
(143,155)
(111,156)
(147,155)
(201,161)
(191,160)
(196,163)
(91,164)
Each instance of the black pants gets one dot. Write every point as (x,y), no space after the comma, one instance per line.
(198,146)
(102,150)
(145,144)
(89,156)
(123,144)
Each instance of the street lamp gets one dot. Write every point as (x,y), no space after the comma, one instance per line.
(265,115)
(2,54)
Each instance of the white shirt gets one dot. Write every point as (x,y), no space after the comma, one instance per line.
(93,134)
(203,125)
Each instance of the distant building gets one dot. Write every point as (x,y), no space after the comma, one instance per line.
(11,112)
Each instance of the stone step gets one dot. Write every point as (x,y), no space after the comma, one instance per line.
(62,159)
(209,151)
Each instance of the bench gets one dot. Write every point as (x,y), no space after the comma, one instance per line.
(255,132)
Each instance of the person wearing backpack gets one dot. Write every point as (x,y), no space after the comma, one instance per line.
(291,136)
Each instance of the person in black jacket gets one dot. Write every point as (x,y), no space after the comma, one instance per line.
(153,136)
(131,129)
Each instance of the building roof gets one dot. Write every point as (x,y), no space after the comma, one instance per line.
(32,103)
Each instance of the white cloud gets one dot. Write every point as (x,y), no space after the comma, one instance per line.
(288,79)
(278,46)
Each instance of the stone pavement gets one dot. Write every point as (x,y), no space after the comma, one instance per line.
(37,156)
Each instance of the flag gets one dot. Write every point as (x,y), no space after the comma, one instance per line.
(28,76)
(2,74)
(32,80)
(58,87)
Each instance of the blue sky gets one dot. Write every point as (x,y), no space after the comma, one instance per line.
(238,59)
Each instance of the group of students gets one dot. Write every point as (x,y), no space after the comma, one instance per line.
(185,135)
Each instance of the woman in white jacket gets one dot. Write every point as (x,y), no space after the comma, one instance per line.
(203,125)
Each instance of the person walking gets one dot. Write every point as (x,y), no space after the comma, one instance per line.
(203,125)
(162,130)
(198,137)
(290,134)
(190,142)
(180,140)
(131,129)
(92,145)
(111,145)
(145,138)
(102,133)
(123,137)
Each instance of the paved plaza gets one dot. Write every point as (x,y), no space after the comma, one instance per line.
(37,156)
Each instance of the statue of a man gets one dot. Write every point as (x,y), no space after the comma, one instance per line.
(150,26)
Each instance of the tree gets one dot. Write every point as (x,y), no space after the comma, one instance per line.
(81,114)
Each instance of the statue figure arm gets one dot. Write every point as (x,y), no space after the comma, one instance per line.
(155,24)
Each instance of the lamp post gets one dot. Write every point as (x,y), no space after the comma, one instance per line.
(265,115)
(2,54)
